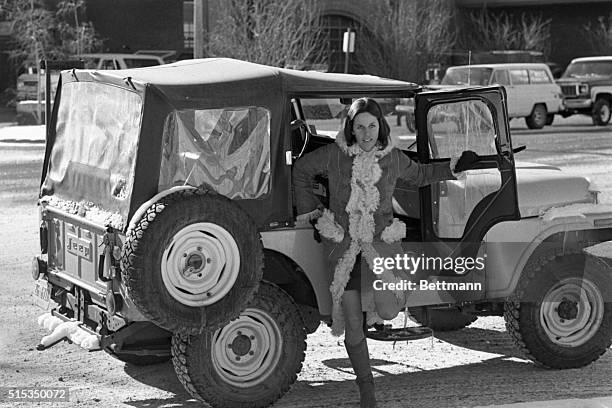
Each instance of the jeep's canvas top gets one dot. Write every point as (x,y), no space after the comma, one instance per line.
(220,123)
(235,75)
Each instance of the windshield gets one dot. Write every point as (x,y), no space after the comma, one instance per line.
(588,68)
(326,117)
(467,76)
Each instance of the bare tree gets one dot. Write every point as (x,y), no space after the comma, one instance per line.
(31,37)
(502,31)
(401,37)
(273,32)
(77,36)
(42,33)
(599,35)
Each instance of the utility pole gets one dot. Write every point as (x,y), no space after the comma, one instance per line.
(198,27)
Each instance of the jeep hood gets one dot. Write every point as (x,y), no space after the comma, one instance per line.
(541,187)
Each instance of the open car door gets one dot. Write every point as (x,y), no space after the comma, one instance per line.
(456,214)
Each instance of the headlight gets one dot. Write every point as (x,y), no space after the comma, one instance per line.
(583,89)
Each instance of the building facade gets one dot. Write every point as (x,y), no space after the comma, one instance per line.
(131,25)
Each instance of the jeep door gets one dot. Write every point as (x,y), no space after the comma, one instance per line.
(456,214)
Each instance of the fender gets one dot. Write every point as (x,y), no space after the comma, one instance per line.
(508,258)
(143,207)
(601,89)
(298,245)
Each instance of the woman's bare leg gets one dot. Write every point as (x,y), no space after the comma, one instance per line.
(353,317)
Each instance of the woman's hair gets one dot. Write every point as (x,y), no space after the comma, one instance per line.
(371,106)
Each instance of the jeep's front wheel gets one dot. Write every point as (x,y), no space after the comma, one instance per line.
(192,261)
(538,117)
(250,362)
(559,315)
(601,112)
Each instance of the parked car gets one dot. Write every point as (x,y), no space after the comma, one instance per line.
(530,87)
(119,61)
(168,226)
(587,88)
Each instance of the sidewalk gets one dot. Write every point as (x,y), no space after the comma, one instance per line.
(22,134)
(603,402)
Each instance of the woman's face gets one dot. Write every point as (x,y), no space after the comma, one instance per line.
(365,129)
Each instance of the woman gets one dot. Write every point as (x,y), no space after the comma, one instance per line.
(362,167)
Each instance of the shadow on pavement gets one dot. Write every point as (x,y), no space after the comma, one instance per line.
(161,376)
(498,380)
(488,341)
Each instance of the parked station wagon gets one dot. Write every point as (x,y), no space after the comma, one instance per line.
(530,87)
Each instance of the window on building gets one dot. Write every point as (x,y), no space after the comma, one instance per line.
(188,26)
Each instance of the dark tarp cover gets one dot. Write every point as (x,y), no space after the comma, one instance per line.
(178,91)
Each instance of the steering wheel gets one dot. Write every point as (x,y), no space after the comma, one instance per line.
(299,124)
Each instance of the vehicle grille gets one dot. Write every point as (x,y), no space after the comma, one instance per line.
(569,90)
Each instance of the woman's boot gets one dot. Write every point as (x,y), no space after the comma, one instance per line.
(360,360)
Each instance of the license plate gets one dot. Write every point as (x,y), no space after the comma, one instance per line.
(42,294)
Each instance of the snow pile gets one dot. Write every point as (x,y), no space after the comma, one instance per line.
(69,330)
(575,210)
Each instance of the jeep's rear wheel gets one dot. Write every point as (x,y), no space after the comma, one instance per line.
(250,362)
(601,112)
(192,261)
(442,319)
(538,117)
(559,315)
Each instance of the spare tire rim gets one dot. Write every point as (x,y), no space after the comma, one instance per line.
(247,350)
(572,311)
(200,264)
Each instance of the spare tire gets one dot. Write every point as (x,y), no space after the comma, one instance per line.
(192,261)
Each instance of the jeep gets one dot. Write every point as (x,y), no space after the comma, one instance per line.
(587,88)
(168,227)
